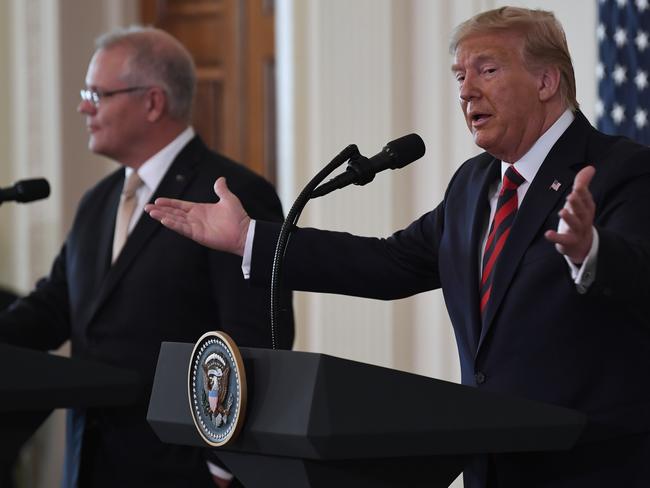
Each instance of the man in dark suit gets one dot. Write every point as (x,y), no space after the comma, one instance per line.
(541,247)
(117,297)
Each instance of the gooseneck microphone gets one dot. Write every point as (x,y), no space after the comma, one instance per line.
(362,170)
(24,191)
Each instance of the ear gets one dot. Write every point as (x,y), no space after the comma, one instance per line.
(549,83)
(156,103)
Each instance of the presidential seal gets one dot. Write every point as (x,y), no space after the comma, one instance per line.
(217,388)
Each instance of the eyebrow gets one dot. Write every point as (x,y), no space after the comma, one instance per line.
(481,58)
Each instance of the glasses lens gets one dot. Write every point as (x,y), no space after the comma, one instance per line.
(90,96)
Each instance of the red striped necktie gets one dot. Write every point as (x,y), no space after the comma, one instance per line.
(499,230)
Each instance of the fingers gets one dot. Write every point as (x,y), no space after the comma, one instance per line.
(560,240)
(574,235)
(171,203)
(579,209)
(160,212)
(159,215)
(573,220)
(584,177)
(173,219)
(580,201)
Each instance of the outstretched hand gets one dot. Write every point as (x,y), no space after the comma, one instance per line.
(574,235)
(222,226)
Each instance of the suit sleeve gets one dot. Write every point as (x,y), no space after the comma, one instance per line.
(41,320)
(402,265)
(623,224)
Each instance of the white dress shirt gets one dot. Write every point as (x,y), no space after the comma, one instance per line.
(153,170)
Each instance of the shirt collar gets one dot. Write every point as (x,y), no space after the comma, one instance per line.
(153,169)
(530,163)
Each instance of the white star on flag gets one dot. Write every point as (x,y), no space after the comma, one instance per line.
(641,40)
(641,80)
(623,68)
(618,114)
(620,37)
(641,118)
(619,75)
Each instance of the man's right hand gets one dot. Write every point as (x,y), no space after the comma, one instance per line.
(222,226)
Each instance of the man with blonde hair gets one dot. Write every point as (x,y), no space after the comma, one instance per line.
(541,247)
(122,284)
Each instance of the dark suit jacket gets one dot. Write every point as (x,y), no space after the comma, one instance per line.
(542,340)
(162,287)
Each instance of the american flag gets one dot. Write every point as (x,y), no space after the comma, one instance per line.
(623,70)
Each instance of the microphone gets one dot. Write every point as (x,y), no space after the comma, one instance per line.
(361,170)
(26,191)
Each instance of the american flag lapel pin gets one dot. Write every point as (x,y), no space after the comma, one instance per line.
(555,186)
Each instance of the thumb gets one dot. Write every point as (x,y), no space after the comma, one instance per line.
(584,176)
(221,188)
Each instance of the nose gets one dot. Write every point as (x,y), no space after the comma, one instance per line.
(468,89)
(87,108)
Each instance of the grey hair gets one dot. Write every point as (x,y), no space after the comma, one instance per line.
(167,64)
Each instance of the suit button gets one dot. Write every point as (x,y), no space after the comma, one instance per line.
(479,376)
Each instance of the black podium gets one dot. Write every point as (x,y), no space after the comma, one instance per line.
(33,383)
(315,420)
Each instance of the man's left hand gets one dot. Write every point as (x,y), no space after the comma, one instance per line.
(573,239)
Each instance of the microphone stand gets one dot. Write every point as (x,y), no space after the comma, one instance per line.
(289,225)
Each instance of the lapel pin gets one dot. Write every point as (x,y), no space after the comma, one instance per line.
(555,186)
(180,178)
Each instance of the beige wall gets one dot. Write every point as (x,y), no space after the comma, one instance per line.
(5,142)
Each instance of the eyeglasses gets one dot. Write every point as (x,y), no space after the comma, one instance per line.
(95,96)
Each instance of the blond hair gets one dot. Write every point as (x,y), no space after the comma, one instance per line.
(544,41)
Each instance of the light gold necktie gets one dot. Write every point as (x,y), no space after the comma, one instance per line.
(128,202)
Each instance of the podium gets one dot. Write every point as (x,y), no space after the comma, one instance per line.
(33,383)
(315,420)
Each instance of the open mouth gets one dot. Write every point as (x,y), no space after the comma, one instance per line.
(479,117)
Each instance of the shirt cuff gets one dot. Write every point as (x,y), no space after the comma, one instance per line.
(248,250)
(218,471)
(585,275)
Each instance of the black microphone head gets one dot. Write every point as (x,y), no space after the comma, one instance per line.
(30,190)
(404,150)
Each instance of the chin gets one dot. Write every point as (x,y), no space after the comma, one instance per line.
(481,142)
(96,147)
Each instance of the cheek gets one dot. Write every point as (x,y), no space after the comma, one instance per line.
(463,109)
